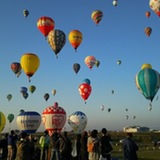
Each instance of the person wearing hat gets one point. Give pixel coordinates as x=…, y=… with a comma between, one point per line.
x=23, y=147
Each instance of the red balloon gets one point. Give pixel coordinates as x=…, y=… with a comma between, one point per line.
x=54, y=118
x=85, y=90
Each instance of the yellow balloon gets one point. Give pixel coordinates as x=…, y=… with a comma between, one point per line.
x=146, y=65
x=30, y=63
x=2, y=121
x=75, y=38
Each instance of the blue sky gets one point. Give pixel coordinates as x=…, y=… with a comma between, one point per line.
x=119, y=35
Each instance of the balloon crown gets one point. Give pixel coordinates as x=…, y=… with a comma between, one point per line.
x=56, y=104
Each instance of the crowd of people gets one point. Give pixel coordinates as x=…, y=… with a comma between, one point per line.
x=86, y=146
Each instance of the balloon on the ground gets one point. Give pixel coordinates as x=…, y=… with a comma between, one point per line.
x=2, y=121
x=45, y=25
x=30, y=63
x=28, y=121
x=10, y=117
x=77, y=121
x=54, y=118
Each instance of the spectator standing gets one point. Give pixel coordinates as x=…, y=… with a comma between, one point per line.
x=12, y=148
x=105, y=145
x=44, y=144
x=130, y=148
x=4, y=147
x=83, y=155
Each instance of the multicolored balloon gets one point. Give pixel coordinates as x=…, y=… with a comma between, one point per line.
x=54, y=118
x=97, y=16
x=148, y=31
x=2, y=121
x=30, y=63
x=155, y=6
x=56, y=39
x=78, y=122
x=148, y=82
x=90, y=61
x=85, y=91
x=25, y=13
x=45, y=25
x=75, y=38
x=29, y=121
x=148, y=14
x=16, y=68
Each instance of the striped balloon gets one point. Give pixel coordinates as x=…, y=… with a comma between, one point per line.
x=148, y=82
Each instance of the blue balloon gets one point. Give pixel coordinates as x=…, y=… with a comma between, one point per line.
x=86, y=80
x=23, y=90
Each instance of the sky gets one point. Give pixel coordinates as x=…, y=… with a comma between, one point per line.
x=119, y=36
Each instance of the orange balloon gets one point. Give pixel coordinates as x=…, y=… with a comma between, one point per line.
x=148, y=14
x=90, y=61
x=148, y=31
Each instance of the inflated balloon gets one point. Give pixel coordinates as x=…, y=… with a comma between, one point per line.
x=29, y=121
x=30, y=63
x=109, y=109
x=9, y=97
x=148, y=31
x=25, y=95
x=85, y=91
x=45, y=25
x=115, y=3
x=90, y=61
x=56, y=39
x=148, y=14
x=10, y=117
x=86, y=80
x=76, y=67
x=75, y=38
x=155, y=6
x=21, y=111
x=119, y=62
x=97, y=16
x=54, y=92
x=97, y=63
x=32, y=88
x=127, y=117
x=146, y=65
x=2, y=121
x=102, y=107
x=16, y=68
x=54, y=118
x=25, y=13
x=78, y=122
x=23, y=90
x=46, y=96
x=148, y=82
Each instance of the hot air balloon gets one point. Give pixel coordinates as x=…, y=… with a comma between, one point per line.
x=23, y=90
x=54, y=118
x=115, y=3
x=109, y=109
x=30, y=63
x=148, y=82
x=29, y=121
x=25, y=95
x=78, y=122
x=10, y=117
x=32, y=88
x=9, y=97
x=56, y=39
x=146, y=65
x=148, y=31
x=54, y=92
x=102, y=107
x=148, y=14
x=46, y=96
x=45, y=25
x=90, y=61
x=97, y=16
x=76, y=67
x=97, y=63
x=134, y=117
x=86, y=80
x=75, y=38
x=85, y=91
x=2, y=121
x=21, y=111
x=25, y=13
x=112, y=91
x=119, y=62
x=16, y=68
x=155, y=6
x=127, y=117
